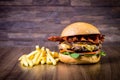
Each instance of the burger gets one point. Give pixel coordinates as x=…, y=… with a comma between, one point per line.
x=80, y=43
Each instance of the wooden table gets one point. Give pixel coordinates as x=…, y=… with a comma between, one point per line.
x=10, y=69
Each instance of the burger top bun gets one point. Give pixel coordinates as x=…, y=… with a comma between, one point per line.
x=79, y=28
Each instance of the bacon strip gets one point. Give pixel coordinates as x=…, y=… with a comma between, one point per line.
x=95, y=38
x=55, y=38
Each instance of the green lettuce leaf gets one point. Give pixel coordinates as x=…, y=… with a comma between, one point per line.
x=66, y=53
x=74, y=55
x=102, y=53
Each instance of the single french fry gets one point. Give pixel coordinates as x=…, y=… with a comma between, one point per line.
x=35, y=58
x=48, y=60
x=38, y=60
x=42, y=54
x=43, y=61
x=31, y=55
x=25, y=63
x=30, y=63
x=21, y=58
x=39, y=51
x=50, y=57
x=37, y=48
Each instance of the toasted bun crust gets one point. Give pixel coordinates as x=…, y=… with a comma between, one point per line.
x=81, y=60
x=79, y=28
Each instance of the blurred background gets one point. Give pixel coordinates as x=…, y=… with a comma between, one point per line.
x=30, y=22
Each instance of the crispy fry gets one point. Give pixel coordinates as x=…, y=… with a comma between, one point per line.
x=42, y=54
x=37, y=48
x=21, y=62
x=48, y=61
x=21, y=58
x=36, y=58
x=25, y=63
x=31, y=55
x=30, y=63
x=50, y=57
x=43, y=61
x=39, y=56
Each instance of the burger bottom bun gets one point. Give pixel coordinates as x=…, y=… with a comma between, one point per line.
x=81, y=60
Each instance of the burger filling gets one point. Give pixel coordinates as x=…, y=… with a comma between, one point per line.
x=79, y=45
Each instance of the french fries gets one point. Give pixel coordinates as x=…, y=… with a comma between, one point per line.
x=39, y=56
x=50, y=58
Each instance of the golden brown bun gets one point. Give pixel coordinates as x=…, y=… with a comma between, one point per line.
x=79, y=28
x=81, y=60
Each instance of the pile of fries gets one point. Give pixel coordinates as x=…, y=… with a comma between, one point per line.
x=39, y=56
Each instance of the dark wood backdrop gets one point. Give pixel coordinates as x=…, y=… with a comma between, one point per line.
x=30, y=22
x=26, y=23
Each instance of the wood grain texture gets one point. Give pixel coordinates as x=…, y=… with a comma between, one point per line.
x=61, y=2
x=106, y=69
x=31, y=25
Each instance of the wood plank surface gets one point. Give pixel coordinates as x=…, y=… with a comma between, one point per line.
x=10, y=69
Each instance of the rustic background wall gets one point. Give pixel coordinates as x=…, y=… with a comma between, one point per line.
x=30, y=22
